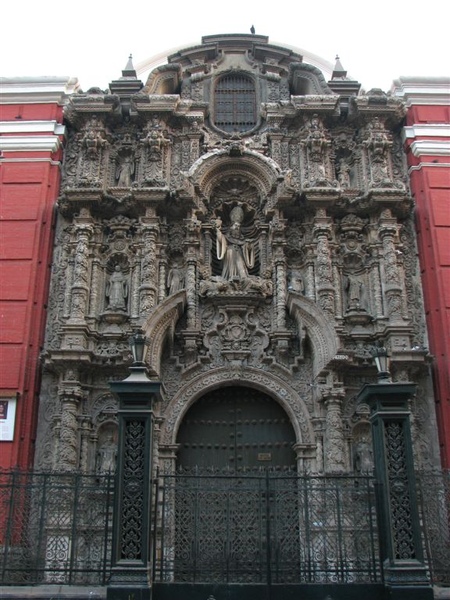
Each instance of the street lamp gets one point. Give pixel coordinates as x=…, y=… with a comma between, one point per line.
x=138, y=344
x=131, y=568
x=382, y=362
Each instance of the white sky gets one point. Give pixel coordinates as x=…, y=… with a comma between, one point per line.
x=376, y=41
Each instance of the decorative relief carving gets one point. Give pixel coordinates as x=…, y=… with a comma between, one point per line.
x=250, y=265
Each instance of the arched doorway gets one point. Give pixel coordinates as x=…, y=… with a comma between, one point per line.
x=236, y=428
x=228, y=516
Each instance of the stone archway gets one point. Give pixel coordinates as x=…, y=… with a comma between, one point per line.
x=269, y=384
x=236, y=428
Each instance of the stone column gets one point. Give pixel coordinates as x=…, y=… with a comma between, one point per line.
x=392, y=287
x=68, y=452
x=149, y=272
x=334, y=439
x=324, y=271
x=80, y=284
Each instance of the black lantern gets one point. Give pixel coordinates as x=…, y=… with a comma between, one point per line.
x=382, y=362
x=138, y=343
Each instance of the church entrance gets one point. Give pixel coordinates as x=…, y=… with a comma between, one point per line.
x=236, y=520
x=236, y=429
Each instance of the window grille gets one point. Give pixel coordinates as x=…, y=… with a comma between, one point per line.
x=235, y=103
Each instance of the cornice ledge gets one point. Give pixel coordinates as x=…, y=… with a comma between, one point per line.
x=431, y=148
x=38, y=143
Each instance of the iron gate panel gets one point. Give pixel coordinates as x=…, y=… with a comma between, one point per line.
x=268, y=527
x=55, y=528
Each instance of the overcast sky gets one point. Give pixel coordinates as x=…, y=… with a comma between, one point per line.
x=91, y=39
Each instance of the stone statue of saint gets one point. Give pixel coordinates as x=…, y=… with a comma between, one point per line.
x=355, y=292
x=117, y=290
x=175, y=279
x=107, y=456
x=125, y=171
x=236, y=253
x=363, y=457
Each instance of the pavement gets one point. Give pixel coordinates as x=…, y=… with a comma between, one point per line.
x=72, y=592
x=53, y=592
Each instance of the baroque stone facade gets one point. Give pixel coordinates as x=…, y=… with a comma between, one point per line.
x=269, y=254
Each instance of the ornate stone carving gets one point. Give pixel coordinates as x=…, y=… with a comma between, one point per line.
x=247, y=269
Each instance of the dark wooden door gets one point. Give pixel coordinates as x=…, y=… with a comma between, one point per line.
x=237, y=428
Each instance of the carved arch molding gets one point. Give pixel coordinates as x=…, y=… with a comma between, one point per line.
x=262, y=172
x=268, y=383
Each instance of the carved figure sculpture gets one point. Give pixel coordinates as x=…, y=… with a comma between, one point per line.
x=355, y=292
x=233, y=249
x=117, y=289
x=107, y=455
x=125, y=171
x=175, y=279
x=363, y=457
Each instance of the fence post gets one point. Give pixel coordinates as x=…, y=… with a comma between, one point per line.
x=131, y=575
x=405, y=572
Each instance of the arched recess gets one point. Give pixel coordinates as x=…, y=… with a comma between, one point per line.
x=267, y=383
x=319, y=328
x=237, y=428
x=160, y=325
x=262, y=172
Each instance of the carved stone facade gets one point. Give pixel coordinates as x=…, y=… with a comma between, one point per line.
x=271, y=257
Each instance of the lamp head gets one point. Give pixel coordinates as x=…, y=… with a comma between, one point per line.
x=138, y=344
x=382, y=362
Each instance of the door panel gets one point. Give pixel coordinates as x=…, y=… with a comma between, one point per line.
x=236, y=428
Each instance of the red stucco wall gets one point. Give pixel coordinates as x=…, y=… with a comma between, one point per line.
x=29, y=185
x=428, y=153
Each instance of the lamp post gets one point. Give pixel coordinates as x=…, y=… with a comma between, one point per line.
x=131, y=542
x=400, y=538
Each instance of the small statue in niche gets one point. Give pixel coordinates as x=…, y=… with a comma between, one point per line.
x=344, y=173
x=363, y=457
x=107, y=455
x=295, y=283
x=355, y=290
x=175, y=279
x=117, y=290
x=125, y=171
x=236, y=253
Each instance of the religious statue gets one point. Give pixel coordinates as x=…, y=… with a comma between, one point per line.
x=363, y=461
x=175, y=279
x=237, y=253
x=355, y=292
x=107, y=456
x=125, y=171
x=117, y=290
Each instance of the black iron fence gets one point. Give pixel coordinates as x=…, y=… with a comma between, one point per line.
x=55, y=528
x=266, y=528
x=257, y=528
x=434, y=502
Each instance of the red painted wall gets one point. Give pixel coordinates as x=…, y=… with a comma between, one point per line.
x=427, y=142
x=29, y=186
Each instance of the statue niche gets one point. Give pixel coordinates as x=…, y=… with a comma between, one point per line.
x=236, y=253
x=117, y=290
x=235, y=258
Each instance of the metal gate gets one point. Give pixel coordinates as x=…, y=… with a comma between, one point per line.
x=265, y=528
